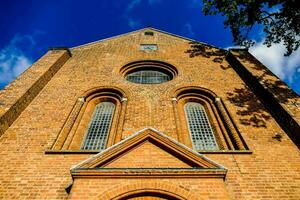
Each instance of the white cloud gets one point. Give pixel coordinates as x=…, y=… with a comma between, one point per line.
x=284, y=67
x=188, y=30
x=21, y=64
x=13, y=61
x=132, y=5
x=133, y=23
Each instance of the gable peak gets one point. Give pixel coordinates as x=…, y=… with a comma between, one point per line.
x=145, y=29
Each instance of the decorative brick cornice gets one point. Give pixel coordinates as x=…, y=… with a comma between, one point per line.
x=150, y=172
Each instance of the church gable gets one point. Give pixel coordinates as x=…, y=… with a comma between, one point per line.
x=148, y=149
x=149, y=157
x=147, y=154
x=141, y=34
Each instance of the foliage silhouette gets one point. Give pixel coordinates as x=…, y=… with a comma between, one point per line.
x=250, y=109
x=199, y=49
x=280, y=20
x=253, y=107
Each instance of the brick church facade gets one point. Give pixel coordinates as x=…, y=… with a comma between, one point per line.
x=149, y=115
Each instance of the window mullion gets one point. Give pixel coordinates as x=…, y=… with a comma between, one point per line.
x=202, y=134
x=99, y=127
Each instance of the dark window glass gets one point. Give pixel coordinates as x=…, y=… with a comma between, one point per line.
x=202, y=134
x=99, y=127
x=148, y=77
x=149, y=33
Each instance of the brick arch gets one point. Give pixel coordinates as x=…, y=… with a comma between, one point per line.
x=118, y=92
x=177, y=92
x=135, y=65
x=226, y=133
x=119, y=97
x=159, y=63
x=156, y=188
x=72, y=134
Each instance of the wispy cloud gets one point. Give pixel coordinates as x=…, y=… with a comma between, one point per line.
x=132, y=5
x=287, y=68
x=132, y=22
x=13, y=60
x=188, y=30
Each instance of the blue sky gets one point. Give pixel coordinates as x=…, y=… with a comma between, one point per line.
x=29, y=27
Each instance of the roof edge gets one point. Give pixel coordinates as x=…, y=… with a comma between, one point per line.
x=146, y=28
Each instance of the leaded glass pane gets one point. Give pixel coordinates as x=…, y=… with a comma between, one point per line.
x=148, y=77
x=202, y=134
x=99, y=127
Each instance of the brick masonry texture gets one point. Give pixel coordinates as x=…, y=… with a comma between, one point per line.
x=271, y=171
x=147, y=155
x=20, y=93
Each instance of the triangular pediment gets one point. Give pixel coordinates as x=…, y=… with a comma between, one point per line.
x=157, y=31
x=148, y=149
x=148, y=154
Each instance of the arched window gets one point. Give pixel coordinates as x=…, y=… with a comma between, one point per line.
x=94, y=123
x=98, y=130
x=148, y=72
x=202, y=134
x=148, y=77
x=203, y=122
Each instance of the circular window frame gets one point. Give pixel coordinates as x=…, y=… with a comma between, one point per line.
x=149, y=65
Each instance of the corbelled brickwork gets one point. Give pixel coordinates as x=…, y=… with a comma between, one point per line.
x=37, y=105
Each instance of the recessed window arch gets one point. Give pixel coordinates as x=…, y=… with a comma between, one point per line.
x=148, y=76
x=95, y=122
x=203, y=122
x=148, y=72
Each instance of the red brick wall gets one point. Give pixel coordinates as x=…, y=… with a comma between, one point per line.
x=272, y=171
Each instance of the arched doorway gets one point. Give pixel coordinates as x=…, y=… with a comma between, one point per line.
x=149, y=196
x=148, y=191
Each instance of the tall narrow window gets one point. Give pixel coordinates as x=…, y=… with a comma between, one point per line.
x=202, y=134
x=99, y=127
